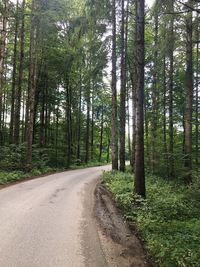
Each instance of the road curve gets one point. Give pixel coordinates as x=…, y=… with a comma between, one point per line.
x=47, y=222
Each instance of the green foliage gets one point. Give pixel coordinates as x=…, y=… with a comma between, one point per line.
x=8, y=177
x=168, y=220
x=11, y=157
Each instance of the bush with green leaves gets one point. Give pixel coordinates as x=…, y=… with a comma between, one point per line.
x=168, y=220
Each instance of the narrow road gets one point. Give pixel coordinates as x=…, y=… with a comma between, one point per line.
x=47, y=222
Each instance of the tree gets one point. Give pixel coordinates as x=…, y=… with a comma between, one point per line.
x=122, y=92
x=139, y=146
x=114, y=92
x=32, y=81
x=189, y=96
x=3, y=33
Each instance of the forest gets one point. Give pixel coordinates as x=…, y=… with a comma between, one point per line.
x=90, y=82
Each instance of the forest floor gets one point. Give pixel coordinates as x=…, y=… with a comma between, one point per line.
x=121, y=245
x=167, y=221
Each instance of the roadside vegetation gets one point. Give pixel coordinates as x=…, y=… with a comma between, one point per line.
x=167, y=220
x=13, y=169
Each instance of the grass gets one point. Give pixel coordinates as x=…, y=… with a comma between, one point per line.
x=168, y=220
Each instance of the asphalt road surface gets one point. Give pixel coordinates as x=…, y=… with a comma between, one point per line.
x=48, y=222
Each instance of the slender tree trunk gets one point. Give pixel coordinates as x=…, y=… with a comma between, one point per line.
x=197, y=104
x=114, y=92
x=14, y=74
x=133, y=77
x=134, y=122
x=122, y=93
x=171, y=93
x=92, y=127
x=42, y=113
x=32, y=83
x=87, y=126
x=68, y=119
x=154, y=94
x=57, y=125
x=189, y=98
x=108, y=150
x=139, y=148
x=129, y=126
x=164, y=117
x=79, y=121
x=3, y=34
x=20, y=79
x=101, y=135
x=4, y=119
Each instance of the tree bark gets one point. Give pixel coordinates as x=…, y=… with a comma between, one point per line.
x=189, y=97
x=154, y=93
x=122, y=94
x=114, y=92
x=20, y=79
x=32, y=82
x=171, y=93
x=101, y=134
x=197, y=103
x=14, y=74
x=79, y=121
x=139, y=148
x=87, y=138
x=3, y=34
x=164, y=117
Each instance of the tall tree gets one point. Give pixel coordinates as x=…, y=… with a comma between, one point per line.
x=32, y=81
x=139, y=147
x=14, y=74
x=122, y=92
x=171, y=91
x=189, y=95
x=3, y=34
x=154, y=90
x=114, y=92
x=20, y=77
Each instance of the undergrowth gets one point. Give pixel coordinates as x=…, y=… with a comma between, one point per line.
x=7, y=177
x=168, y=220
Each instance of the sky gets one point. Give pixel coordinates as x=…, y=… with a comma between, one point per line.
x=149, y=2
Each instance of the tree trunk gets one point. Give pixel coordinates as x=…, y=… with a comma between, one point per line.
x=189, y=98
x=129, y=126
x=101, y=135
x=164, y=117
x=79, y=121
x=154, y=93
x=14, y=74
x=20, y=79
x=108, y=150
x=3, y=34
x=68, y=117
x=171, y=93
x=197, y=104
x=32, y=83
x=92, y=126
x=122, y=94
x=114, y=92
x=139, y=148
x=87, y=139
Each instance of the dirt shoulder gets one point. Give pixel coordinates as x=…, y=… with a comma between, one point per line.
x=121, y=246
